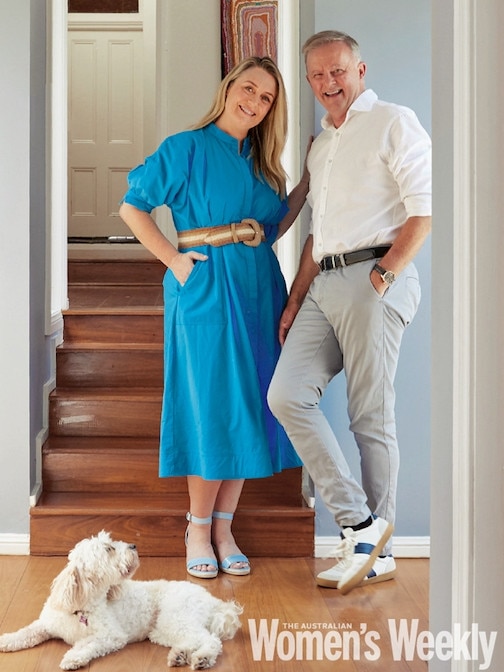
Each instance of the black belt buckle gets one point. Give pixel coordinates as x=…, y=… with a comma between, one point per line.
x=326, y=264
x=333, y=262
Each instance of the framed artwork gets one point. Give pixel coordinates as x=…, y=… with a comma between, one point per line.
x=248, y=29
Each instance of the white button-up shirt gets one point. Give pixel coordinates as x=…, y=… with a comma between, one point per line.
x=368, y=176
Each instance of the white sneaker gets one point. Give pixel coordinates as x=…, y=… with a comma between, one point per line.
x=358, y=552
x=384, y=569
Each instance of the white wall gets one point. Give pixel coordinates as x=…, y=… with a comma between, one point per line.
x=394, y=37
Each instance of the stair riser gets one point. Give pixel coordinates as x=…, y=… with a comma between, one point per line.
x=137, y=472
x=88, y=417
x=103, y=368
x=113, y=272
x=269, y=535
x=114, y=328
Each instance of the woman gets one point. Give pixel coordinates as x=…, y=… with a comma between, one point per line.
x=224, y=293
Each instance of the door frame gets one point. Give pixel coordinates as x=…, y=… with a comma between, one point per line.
x=57, y=216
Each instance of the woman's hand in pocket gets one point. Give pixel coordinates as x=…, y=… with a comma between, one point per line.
x=182, y=264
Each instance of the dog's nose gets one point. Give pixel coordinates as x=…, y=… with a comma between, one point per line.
x=132, y=547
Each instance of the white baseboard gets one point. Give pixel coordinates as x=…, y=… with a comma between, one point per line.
x=402, y=547
x=14, y=544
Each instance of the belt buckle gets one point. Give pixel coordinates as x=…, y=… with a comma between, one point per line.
x=257, y=239
x=341, y=259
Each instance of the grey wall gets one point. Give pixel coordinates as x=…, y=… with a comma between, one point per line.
x=395, y=40
x=24, y=351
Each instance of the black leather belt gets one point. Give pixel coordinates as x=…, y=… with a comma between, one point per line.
x=349, y=258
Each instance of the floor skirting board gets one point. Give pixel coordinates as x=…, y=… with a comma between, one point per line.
x=402, y=547
x=14, y=544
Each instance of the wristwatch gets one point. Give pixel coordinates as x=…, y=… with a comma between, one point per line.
x=387, y=276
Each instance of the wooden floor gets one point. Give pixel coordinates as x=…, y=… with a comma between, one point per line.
x=278, y=591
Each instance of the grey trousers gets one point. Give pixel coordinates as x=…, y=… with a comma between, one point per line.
x=344, y=324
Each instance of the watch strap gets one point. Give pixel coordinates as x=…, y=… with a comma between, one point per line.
x=387, y=276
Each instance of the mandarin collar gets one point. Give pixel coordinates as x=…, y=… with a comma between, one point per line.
x=230, y=140
x=363, y=103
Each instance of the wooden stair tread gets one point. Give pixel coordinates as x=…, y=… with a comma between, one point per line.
x=145, y=309
x=132, y=503
x=100, y=444
x=118, y=254
x=81, y=285
x=115, y=296
x=75, y=346
x=105, y=394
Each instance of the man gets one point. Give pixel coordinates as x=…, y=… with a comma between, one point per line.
x=355, y=292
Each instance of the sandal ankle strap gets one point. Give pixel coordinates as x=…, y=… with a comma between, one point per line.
x=198, y=521
x=223, y=515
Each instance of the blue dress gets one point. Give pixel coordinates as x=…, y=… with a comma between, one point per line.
x=221, y=328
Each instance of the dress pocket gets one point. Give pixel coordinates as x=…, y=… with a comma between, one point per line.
x=202, y=299
x=173, y=286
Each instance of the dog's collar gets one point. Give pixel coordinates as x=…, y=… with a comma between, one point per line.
x=82, y=617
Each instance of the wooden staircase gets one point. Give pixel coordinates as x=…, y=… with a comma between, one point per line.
x=99, y=464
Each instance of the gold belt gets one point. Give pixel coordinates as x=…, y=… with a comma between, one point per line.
x=248, y=231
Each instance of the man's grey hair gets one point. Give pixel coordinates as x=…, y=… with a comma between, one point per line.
x=328, y=36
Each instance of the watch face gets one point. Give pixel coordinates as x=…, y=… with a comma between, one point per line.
x=389, y=277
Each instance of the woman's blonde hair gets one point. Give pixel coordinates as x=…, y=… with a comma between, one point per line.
x=267, y=139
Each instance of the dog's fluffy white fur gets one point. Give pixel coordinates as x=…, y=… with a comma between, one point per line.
x=96, y=608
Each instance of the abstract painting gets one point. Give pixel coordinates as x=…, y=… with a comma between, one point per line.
x=248, y=29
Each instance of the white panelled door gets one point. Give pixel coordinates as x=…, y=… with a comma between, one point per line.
x=105, y=125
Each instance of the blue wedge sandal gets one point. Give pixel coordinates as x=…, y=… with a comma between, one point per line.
x=225, y=565
x=195, y=562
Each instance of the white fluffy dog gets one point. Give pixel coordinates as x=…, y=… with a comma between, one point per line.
x=96, y=608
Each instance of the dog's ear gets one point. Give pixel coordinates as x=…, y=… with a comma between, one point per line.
x=68, y=592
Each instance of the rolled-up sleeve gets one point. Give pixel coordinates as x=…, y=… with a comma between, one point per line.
x=159, y=179
x=410, y=163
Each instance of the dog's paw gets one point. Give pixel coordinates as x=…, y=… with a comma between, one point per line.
x=177, y=658
x=202, y=662
x=71, y=663
x=5, y=643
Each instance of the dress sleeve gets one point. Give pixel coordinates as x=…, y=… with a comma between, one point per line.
x=161, y=178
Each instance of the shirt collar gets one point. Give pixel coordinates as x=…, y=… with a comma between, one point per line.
x=364, y=103
x=229, y=139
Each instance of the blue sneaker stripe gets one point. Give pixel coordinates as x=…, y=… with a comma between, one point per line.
x=364, y=548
